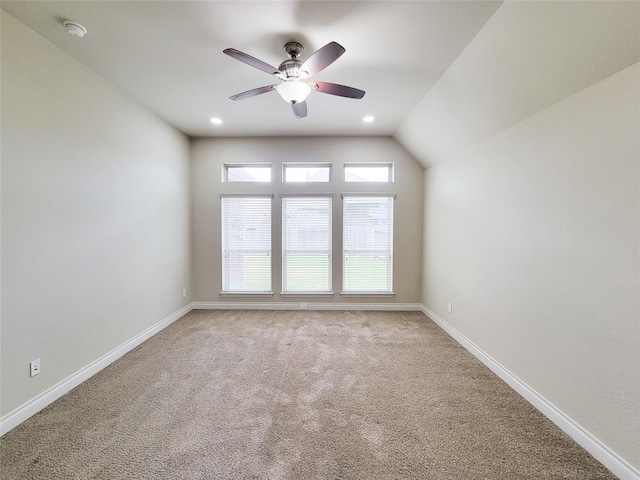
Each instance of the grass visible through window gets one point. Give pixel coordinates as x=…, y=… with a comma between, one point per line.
x=369, y=274
x=307, y=273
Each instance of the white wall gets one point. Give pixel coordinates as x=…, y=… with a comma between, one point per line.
x=534, y=236
x=208, y=158
x=527, y=57
x=95, y=216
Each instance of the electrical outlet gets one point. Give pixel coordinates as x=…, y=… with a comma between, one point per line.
x=304, y=306
x=34, y=367
x=449, y=308
x=184, y=292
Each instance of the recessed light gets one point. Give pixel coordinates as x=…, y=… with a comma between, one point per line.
x=216, y=121
x=368, y=119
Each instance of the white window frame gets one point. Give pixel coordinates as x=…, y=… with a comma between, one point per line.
x=229, y=246
x=288, y=249
x=227, y=166
x=348, y=252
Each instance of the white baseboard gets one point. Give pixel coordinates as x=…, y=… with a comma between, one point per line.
x=400, y=307
x=601, y=452
x=33, y=406
x=591, y=444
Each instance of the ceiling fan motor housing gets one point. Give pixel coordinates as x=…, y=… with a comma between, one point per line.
x=290, y=68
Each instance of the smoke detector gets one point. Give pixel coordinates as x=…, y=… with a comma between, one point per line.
x=74, y=28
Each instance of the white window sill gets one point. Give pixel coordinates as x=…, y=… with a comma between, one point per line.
x=307, y=294
x=367, y=294
x=246, y=294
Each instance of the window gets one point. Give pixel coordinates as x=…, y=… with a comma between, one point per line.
x=247, y=173
x=306, y=173
x=367, y=244
x=373, y=172
x=246, y=243
x=306, y=244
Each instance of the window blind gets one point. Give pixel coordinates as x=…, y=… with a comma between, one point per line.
x=367, y=244
x=246, y=243
x=306, y=244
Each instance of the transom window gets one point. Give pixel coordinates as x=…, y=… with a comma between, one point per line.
x=371, y=172
x=247, y=173
x=300, y=172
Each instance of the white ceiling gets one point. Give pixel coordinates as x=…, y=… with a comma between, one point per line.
x=167, y=55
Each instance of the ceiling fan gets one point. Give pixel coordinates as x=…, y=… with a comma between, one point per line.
x=295, y=86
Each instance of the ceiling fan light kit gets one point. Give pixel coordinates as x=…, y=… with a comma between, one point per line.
x=293, y=91
x=294, y=86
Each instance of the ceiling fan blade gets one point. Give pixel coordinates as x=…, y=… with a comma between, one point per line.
x=340, y=90
x=299, y=109
x=322, y=58
x=252, y=93
x=252, y=61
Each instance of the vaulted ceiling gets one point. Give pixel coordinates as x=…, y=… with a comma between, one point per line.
x=168, y=56
x=438, y=75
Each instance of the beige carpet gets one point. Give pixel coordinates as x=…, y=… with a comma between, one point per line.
x=294, y=395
